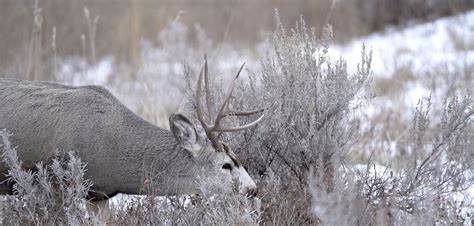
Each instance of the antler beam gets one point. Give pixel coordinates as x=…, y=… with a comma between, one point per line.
x=223, y=110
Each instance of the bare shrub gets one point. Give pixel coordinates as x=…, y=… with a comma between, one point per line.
x=52, y=194
x=425, y=186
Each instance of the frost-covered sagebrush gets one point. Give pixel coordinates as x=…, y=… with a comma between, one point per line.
x=228, y=208
x=424, y=186
x=308, y=100
x=48, y=194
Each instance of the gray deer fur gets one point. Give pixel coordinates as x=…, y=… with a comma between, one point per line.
x=123, y=152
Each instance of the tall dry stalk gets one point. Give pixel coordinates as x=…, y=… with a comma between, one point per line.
x=35, y=48
x=92, y=29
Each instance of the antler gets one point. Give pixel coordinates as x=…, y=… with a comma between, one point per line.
x=224, y=110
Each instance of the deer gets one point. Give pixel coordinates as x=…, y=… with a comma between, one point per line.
x=122, y=151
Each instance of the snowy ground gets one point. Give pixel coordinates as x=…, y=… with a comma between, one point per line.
x=447, y=41
x=446, y=44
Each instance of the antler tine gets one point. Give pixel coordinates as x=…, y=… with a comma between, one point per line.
x=206, y=87
x=238, y=128
x=248, y=113
x=207, y=128
x=244, y=113
x=198, y=103
x=225, y=104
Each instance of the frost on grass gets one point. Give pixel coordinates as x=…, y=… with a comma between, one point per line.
x=309, y=100
x=213, y=206
x=427, y=185
x=47, y=194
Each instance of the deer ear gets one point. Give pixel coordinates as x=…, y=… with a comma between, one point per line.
x=185, y=133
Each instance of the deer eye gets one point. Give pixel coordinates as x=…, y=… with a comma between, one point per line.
x=227, y=166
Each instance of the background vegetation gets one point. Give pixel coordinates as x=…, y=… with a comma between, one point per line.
x=121, y=26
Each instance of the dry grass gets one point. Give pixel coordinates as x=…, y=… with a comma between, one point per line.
x=122, y=24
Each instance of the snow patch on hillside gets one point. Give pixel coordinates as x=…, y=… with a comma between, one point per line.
x=448, y=42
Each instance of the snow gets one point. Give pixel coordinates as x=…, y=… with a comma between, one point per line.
x=447, y=42
x=77, y=72
x=434, y=52
x=124, y=201
x=415, y=92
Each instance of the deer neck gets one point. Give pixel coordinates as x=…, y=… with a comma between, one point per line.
x=154, y=161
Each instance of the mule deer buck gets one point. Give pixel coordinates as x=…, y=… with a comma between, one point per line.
x=122, y=151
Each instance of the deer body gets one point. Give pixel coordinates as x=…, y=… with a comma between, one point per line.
x=122, y=151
